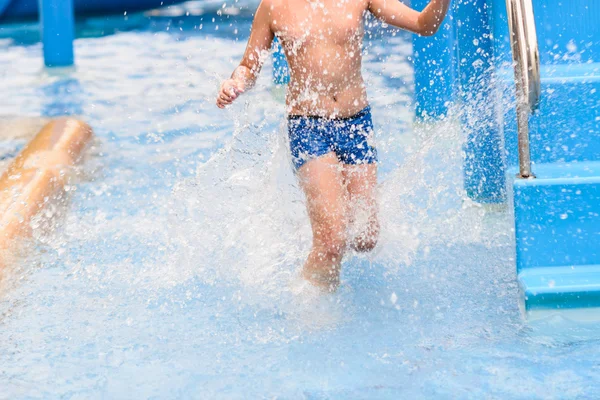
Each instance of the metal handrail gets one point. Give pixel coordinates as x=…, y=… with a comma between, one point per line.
x=526, y=57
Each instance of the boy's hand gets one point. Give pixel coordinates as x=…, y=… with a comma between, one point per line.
x=230, y=90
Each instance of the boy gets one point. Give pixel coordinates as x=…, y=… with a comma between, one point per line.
x=329, y=119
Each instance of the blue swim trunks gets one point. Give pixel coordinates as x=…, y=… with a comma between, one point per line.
x=351, y=138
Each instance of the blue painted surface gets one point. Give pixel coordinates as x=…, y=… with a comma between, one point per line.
x=483, y=167
x=454, y=66
x=435, y=68
x=557, y=223
x=568, y=31
x=561, y=287
x=556, y=215
x=484, y=175
x=28, y=9
x=557, y=231
x=567, y=127
x=281, y=73
x=474, y=50
x=3, y=5
x=57, y=23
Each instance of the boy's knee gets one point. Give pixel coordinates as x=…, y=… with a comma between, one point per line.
x=334, y=247
x=333, y=242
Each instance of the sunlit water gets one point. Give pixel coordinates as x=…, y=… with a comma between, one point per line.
x=167, y=273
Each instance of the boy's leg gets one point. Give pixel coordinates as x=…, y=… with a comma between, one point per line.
x=322, y=182
x=361, y=183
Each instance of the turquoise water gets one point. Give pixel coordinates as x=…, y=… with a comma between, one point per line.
x=167, y=271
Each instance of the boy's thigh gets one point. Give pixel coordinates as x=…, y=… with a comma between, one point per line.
x=323, y=183
x=361, y=181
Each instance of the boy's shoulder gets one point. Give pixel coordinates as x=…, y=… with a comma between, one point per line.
x=277, y=9
x=274, y=4
x=281, y=5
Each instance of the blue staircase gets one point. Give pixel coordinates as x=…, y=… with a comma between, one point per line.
x=557, y=226
x=557, y=215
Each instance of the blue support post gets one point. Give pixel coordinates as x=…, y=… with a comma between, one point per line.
x=57, y=23
x=3, y=6
x=281, y=72
x=484, y=169
x=435, y=68
x=455, y=65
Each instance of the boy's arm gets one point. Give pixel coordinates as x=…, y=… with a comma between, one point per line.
x=245, y=75
x=425, y=23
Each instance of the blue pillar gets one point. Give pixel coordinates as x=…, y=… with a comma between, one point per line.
x=281, y=73
x=435, y=68
x=484, y=170
x=4, y=5
x=57, y=23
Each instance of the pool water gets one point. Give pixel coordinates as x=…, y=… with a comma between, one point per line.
x=167, y=273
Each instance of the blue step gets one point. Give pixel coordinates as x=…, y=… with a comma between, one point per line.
x=557, y=232
x=567, y=31
x=561, y=287
x=566, y=127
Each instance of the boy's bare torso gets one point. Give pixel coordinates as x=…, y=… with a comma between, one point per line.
x=323, y=42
